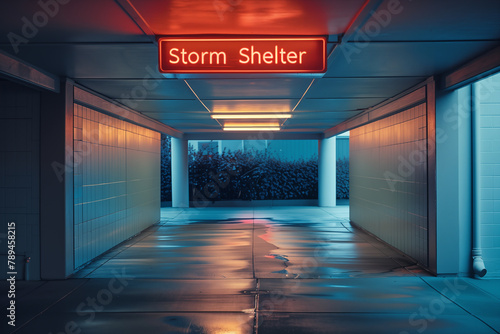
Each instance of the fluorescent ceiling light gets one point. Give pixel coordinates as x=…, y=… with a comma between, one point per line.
x=250, y=116
x=252, y=124
x=270, y=128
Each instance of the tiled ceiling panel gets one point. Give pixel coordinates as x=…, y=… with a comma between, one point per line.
x=414, y=59
x=322, y=105
x=89, y=21
x=161, y=106
x=140, y=89
x=435, y=20
x=241, y=89
x=328, y=88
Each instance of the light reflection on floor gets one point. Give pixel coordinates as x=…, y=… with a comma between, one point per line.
x=262, y=270
x=198, y=244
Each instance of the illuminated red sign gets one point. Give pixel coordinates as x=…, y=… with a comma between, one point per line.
x=242, y=55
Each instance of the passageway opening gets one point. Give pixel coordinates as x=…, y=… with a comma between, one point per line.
x=255, y=172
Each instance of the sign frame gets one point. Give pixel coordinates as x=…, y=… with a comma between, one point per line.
x=321, y=39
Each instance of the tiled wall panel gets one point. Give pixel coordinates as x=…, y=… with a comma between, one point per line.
x=490, y=172
x=116, y=181
x=388, y=180
x=19, y=174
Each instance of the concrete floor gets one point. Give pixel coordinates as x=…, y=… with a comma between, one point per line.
x=255, y=270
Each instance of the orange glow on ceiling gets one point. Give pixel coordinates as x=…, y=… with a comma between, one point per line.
x=252, y=106
x=279, y=17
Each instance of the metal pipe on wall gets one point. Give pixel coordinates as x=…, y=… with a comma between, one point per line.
x=478, y=266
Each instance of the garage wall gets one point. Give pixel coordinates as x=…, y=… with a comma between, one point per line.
x=19, y=175
x=388, y=180
x=116, y=181
x=489, y=97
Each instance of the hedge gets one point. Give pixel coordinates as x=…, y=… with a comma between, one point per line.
x=342, y=179
x=238, y=175
x=166, y=177
x=250, y=176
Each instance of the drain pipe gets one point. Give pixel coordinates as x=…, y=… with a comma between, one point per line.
x=27, y=260
x=477, y=255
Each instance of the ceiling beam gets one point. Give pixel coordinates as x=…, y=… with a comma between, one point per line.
x=363, y=15
x=405, y=100
x=359, y=19
x=478, y=68
x=257, y=135
x=17, y=69
x=132, y=12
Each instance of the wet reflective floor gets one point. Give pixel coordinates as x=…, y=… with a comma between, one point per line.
x=256, y=270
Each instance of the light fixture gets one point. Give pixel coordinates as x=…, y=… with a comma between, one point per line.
x=251, y=124
x=270, y=128
x=250, y=116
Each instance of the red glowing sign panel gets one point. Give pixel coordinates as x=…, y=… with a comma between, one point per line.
x=242, y=55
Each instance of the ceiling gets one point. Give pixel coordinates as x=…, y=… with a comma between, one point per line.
x=109, y=46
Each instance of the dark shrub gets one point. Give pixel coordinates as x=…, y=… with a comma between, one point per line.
x=166, y=179
x=238, y=175
x=250, y=176
x=342, y=179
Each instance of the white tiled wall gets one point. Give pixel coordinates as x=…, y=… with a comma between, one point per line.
x=490, y=172
x=116, y=181
x=388, y=180
x=19, y=174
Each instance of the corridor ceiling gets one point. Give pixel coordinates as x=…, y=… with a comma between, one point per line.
x=376, y=50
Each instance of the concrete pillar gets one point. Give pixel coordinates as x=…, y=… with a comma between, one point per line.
x=180, y=180
x=327, y=172
x=56, y=186
x=453, y=183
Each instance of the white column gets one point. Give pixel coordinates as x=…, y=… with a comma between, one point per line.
x=450, y=238
x=327, y=172
x=180, y=180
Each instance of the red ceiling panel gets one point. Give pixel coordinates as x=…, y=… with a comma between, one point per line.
x=264, y=17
